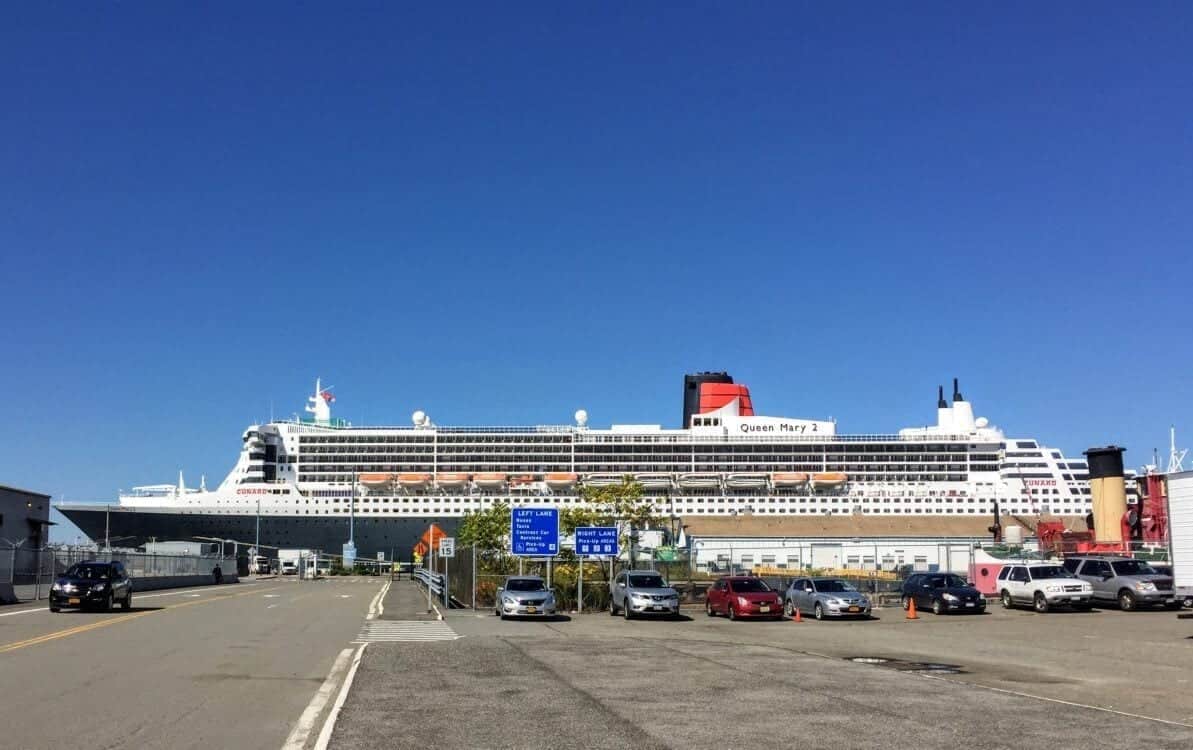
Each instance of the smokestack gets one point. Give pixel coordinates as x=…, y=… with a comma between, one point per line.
x=1109, y=490
x=940, y=402
x=691, y=392
x=956, y=393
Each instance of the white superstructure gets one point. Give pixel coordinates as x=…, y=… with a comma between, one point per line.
x=726, y=460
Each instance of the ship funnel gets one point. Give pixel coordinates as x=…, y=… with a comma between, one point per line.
x=963, y=421
x=1109, y=491
x=940, y=402
x=956, y=391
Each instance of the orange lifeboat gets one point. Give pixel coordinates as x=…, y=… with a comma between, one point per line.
x=829, y=479
x=451, y=480
x=788, y=479
x=489, y=480
x=561, y=480
x=375, y=481
x=414, y=481
x=521, y=480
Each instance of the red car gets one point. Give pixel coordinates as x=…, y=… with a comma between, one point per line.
x=743, y=596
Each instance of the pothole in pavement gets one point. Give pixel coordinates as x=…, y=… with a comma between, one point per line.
x=903, y=665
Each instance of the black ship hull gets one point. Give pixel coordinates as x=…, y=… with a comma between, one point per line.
x=128, y=527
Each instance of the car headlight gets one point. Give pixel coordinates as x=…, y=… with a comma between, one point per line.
x=99, y=587
x=508, y=600
x=743, y=601
x=1053, y=589
x=949, y=597
x=1145, y=586
x=56, y=587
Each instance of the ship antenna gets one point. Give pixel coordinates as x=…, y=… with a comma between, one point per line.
x=1175, y=460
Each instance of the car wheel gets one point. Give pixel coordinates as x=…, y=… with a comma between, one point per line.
x=708, y=609
x=1126, y=601
x=1040, y=602
x=788, y=608
x=108, y=603
x=612, y=608
x=127, y=604
x=732, y=613
x=55, y=609
x=626, y=613
x=818, y=612
x=1007, y=603
x=937, y=607
x=905, y=601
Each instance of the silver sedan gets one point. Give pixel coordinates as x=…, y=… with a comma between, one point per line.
x=825, y=597
x=524, y=596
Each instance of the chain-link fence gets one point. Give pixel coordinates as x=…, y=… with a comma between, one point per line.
x=31, y=570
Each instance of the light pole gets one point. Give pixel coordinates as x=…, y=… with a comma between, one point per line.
x=257, y=539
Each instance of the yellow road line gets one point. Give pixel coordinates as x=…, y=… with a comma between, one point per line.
x=114, y=620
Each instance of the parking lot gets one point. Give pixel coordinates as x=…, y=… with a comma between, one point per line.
x=1003, y=679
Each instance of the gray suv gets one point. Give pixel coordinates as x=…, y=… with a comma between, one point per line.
x=642, y=592
x=1129, y=582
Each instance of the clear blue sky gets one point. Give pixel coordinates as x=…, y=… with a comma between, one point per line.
x=500, y=215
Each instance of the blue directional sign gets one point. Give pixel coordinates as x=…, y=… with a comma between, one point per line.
x=596, y=541
x=534, y=531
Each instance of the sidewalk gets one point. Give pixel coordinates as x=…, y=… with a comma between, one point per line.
x=406, y=600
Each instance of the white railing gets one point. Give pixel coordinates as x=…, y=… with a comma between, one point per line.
x=437, y=582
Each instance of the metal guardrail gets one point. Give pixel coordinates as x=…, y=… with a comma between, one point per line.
x=437, y=582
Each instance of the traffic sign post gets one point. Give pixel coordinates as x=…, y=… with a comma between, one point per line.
x=593, y=541
x=534, y=532
x=447, y=546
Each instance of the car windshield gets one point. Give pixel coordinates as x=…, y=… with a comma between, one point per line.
x=1049, y=571
x=525, y=584
x=748, y=585
x=942, y=582
x=829, y=586
x=88, y=572
x=648, y=581
x=1132, y=568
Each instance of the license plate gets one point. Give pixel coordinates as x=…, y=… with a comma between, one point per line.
x=72, y=601
x=656, y=607
x=854, y=609
x=764, y=608
x=1170, y=601
x=531, y=610
x=971, y=604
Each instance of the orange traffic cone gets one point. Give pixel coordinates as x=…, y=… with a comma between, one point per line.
x=798, y=617
x=911, y=615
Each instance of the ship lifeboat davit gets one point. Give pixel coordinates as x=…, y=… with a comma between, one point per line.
x=603, y=480
x=700, y=481
x=451, y=480
x=654, y=481
x=489, y=480
x=745, y=481
x=522, y=480
x=414, y=481
x=829, y=479
x=560, y=480
x=788, y=479
x=375, y=481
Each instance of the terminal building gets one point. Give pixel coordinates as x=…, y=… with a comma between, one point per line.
x=24, y=518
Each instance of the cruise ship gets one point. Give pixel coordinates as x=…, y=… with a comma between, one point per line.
x=304, y=481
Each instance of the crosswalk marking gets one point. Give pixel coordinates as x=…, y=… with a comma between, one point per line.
x=401, y=631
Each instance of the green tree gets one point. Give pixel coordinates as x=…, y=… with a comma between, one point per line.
x=487, y=528
x=606, y=506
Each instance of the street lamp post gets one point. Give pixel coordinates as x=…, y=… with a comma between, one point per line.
x=257, y=538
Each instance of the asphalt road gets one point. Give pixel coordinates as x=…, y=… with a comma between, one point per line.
x=1103, y=679
x=231, y=666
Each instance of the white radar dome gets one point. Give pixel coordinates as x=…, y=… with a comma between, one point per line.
x=581, y=417
x=981, y=422
x=419, y=418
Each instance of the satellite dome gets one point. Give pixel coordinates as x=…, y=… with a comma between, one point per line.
x=581, y=417
x=419, y=418
x=981, y=422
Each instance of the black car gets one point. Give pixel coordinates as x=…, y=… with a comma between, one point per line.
x=92, y=585
x=942, y=592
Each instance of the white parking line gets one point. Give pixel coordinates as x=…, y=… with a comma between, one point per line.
x=302, y=730
x=376, y=607
x=329, y=724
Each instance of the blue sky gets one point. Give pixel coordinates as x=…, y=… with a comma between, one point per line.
x=500, y=215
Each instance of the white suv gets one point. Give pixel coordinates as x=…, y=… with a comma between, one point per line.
x=1043, y=586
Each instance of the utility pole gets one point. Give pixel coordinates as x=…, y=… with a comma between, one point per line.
x=257, y=540
x=107, y=529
